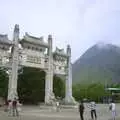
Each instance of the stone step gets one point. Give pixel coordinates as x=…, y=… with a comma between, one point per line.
x=62, y=106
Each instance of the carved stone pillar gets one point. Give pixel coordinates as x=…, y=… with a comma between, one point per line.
x=49, y=74
x=48, y=87
x=68, y=93
x=9, y=84
x=13, y=74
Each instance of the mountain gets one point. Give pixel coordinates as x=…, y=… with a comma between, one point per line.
x=100, y=63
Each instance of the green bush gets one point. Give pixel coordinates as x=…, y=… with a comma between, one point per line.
x=93, y=91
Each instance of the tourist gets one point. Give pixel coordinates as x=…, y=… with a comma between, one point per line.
x=81, y=110
x=57, y=106
x=92, y=107
x=14, y=107
x=112, y=108
x=9, y=107
x=19, y=106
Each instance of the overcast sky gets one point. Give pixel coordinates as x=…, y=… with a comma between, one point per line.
x=80, y=23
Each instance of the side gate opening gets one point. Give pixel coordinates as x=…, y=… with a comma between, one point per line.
x=58, y=87
x=3, y=85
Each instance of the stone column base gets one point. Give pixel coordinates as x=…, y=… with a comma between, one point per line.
x=50, y=99
x=70, y=100
x=12, y=94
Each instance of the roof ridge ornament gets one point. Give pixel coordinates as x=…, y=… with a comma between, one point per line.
x=59, y=50
x=3, y=35
x=50, y=36
x=33, y=37
x=16, y=29
x=4, y=39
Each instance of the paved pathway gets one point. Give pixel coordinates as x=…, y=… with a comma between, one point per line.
x=35, y=113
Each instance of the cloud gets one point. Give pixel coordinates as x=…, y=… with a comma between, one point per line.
x=80, y=23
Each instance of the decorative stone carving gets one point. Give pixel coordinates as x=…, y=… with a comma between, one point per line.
x=33, y=40
x=59, y=50
x=4, y=39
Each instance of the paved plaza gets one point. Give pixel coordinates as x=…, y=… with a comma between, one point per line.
x=41, y=113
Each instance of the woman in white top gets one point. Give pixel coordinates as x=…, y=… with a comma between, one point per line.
x=112, y=108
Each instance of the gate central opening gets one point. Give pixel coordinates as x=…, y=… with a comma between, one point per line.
x=31, y=85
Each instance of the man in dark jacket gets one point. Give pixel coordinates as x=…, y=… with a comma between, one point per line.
x=81, y=110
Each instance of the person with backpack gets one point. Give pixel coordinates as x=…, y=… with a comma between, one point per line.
x=92, y=107
x=81, y=110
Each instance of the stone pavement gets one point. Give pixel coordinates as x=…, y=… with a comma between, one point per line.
x=35, y=113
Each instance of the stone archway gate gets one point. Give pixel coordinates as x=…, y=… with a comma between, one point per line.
x=35, y=52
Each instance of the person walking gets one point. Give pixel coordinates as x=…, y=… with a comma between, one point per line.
x=14, y=107
x=81, y=110
x=9, y=108
x=93, y=110
x=57, y=106
x=112, y=108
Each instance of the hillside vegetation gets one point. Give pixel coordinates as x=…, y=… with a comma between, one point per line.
x=98, y=64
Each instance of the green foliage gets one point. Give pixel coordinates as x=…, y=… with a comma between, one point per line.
x=58, y=87
x=115, y=85
x=3, y=83
x=93, y=91
x=90, y=75
x=31, y=86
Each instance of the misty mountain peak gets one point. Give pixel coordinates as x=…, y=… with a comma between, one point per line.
x=101, y=62
x=103, y=45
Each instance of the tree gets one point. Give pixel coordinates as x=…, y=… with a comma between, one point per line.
x=93, y=91
x=3, y=83
x=31, y=85
x=58, y=87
